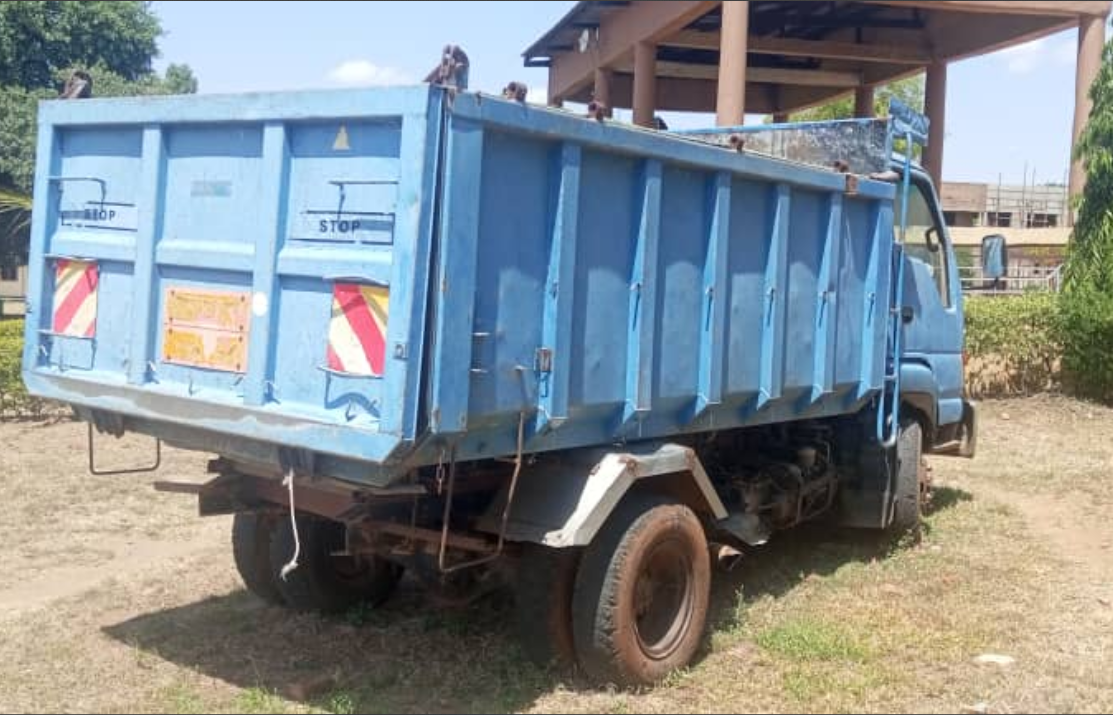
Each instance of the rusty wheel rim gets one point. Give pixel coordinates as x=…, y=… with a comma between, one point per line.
x=664, y=601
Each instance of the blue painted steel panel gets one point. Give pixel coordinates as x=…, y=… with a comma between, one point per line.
x=607, y=281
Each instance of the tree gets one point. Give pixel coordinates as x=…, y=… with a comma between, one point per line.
x=17, y=135
x=1090, y=253
x=41, y=44
x=1086, y=305
x=38, y=38
x=15, y=220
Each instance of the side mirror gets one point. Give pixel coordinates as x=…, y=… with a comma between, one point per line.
x=906, y=314
x=931, y=238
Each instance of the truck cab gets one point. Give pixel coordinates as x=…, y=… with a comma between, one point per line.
x=931, y=362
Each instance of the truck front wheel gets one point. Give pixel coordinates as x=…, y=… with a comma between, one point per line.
x=326, y=580
x=641, y=595
x=911, y=485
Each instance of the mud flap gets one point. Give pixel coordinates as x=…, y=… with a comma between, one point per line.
x=965, y=441
x=868, y=503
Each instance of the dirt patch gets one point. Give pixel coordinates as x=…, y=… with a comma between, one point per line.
x=116, y=598
x=1058, y=521
x=115, y=557
x=61, y=520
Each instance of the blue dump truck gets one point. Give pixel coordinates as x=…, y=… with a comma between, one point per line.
x=431, y=331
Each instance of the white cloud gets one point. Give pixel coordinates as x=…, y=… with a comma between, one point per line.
x=1064, y=53
x=1026, y=58
x=364, y=73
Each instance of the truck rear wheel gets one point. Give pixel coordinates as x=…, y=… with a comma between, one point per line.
x=326, y=581
x=910, y=481
x=251, y=550
x=543, y=604
x=642, y=592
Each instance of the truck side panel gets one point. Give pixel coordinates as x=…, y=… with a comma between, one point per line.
x=708, y=289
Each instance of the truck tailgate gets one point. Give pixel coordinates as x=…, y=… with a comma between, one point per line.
x=174, y=235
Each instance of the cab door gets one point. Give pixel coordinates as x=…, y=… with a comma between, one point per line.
x=931, y=364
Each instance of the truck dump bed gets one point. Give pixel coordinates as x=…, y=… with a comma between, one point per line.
x=372, y=277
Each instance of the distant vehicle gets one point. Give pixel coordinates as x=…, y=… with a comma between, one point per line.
x=476, y=340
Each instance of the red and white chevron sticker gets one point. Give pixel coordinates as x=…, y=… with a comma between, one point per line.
x=357, y=329
x=75, y=298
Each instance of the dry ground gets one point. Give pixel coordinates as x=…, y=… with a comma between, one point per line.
x=115, y=598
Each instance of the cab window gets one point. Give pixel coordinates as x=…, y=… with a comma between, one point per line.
x=924, y=241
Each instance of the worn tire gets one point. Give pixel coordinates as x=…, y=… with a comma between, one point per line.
x=908, y=493
x=251, y=544
x=543, y=604
x=650, y=556
x=323, y=582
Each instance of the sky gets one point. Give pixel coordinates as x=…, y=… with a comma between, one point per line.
x=1009, y=114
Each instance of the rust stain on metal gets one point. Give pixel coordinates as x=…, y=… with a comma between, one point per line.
x=430, y=537
x=452, y=70
x=630, y=464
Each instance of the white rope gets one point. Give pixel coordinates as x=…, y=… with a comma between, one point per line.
x=288, y=482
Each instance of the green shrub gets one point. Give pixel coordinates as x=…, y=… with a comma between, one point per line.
x=1014, y=344
x=1021, y=345
x=1087, y=317
x=13, y=395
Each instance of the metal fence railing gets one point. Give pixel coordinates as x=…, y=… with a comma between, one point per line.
x=1016, y=280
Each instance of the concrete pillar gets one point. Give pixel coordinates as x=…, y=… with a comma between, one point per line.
x=780, y=118
x=553, y=99
x=1091, y=38
x=863, y=102
x=730, y=105
x=645, y=83
x=935, y=106
x=602, y=92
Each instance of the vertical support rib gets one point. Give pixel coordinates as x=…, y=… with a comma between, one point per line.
x=411, y=276
x=774, y=312
x=556, y=328
x=875, y=307
x=826, y=310
x=144, y=300
x=643, y=297
x=39, y=274
x=713, y=321
x=455, y=286
x=272, y=202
